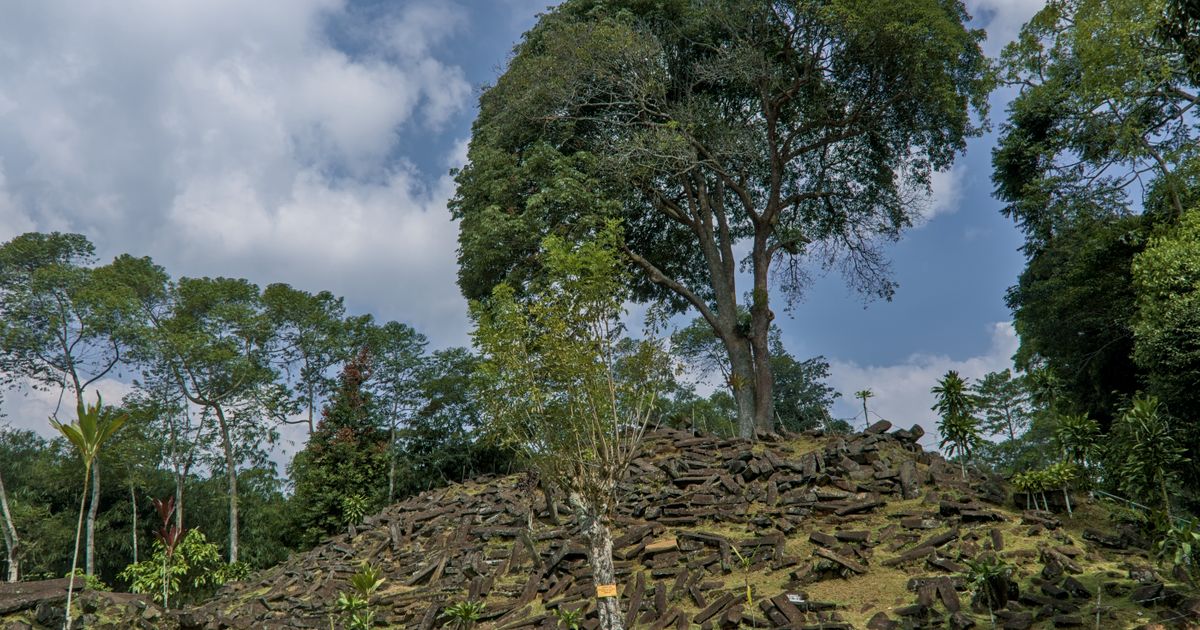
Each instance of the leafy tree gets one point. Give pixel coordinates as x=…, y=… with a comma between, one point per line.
x=336, y=475
x=62, y=327
x=309, y=342
x=94, y=426
x=1078, y=436
x=1104, y=104
x=214, y=342
x=1073, y=309
x=446, y=439
x=398, y=370
x=1004, y=402
x=193, y=570
x=1146, y=453
x=863, y=395
x=1166, y=329
x=559, y=386
x=798, y=131
x=958, y=425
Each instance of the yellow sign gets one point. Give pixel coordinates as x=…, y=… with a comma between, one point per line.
x=606, y=590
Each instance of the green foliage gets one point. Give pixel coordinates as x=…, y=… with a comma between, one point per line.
x=446, y=440
x=90, y=582
x=1146, y=454
x=1004, y=402
x=568, y=619
x=193, y=571
x=339, y=473
x=958, y=426
x=355, y=604
x=1078, y=436
x=1166, y=278
x=464, y=614
x=987, y=578
x=559, y=383
x=1178, y=545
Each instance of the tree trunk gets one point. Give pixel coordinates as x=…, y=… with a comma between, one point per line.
x=75, y=554
x=600, y=544
x=391, y=463
x=133, y=512
x=741, y=362
x=93, y=509
x=760, y=334
x=231, y=475
x=179, y=500
x=12, y=542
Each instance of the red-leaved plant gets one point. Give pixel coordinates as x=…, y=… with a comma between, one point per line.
x=170, y=536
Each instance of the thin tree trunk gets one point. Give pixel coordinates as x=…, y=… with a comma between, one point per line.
x=1166, y=498
x=391, y=463
x=231, y=475
x=12, y=542
x=133, y=512
x=1067, y=498
x=600, y=556
x=75, y=554
x=93, y=509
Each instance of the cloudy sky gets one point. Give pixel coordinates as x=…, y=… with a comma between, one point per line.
x=309, y=141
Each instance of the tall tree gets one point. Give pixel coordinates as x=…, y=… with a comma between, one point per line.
x=775, y=133
x=1104, y=126
x=1004, y=402
x=561, y=387
x=309, y=340
x=337, y=475
x=397, y=355
x=61, y=326
x=215, y=341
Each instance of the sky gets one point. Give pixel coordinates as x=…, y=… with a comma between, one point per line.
x=310, y=142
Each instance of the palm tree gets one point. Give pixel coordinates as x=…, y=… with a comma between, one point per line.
x=95, y=425
x=959, y=426
x=864, y=394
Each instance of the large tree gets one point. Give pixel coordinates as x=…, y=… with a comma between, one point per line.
x=770, y=134
x=1099, y=154
x=62, y=327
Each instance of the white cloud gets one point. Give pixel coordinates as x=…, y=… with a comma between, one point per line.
x=902, y=390
x=945, y=193
x=226, y=137
x=1002, y=19
x=28, y=408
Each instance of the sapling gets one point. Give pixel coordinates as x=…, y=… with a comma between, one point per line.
x=95, y=424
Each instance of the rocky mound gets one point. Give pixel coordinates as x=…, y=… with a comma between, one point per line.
x=29, y=605
x=800, y=531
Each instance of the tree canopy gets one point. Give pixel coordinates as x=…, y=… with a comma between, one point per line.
x=801, y=132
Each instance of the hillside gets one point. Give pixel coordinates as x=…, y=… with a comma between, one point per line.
x=833, y=532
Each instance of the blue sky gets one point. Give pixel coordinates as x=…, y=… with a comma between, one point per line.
x=308, y=142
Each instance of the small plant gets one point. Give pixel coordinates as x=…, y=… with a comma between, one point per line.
x=1179, y=546
x=355, y=604
x=90, y=582
x=987, y=578
x=746, y=562
x=568, y=619
x=185, y=565
x=464, y=614
x=95, y=424
x=354, y=508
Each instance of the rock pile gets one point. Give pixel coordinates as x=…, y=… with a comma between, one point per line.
x=801, y=531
